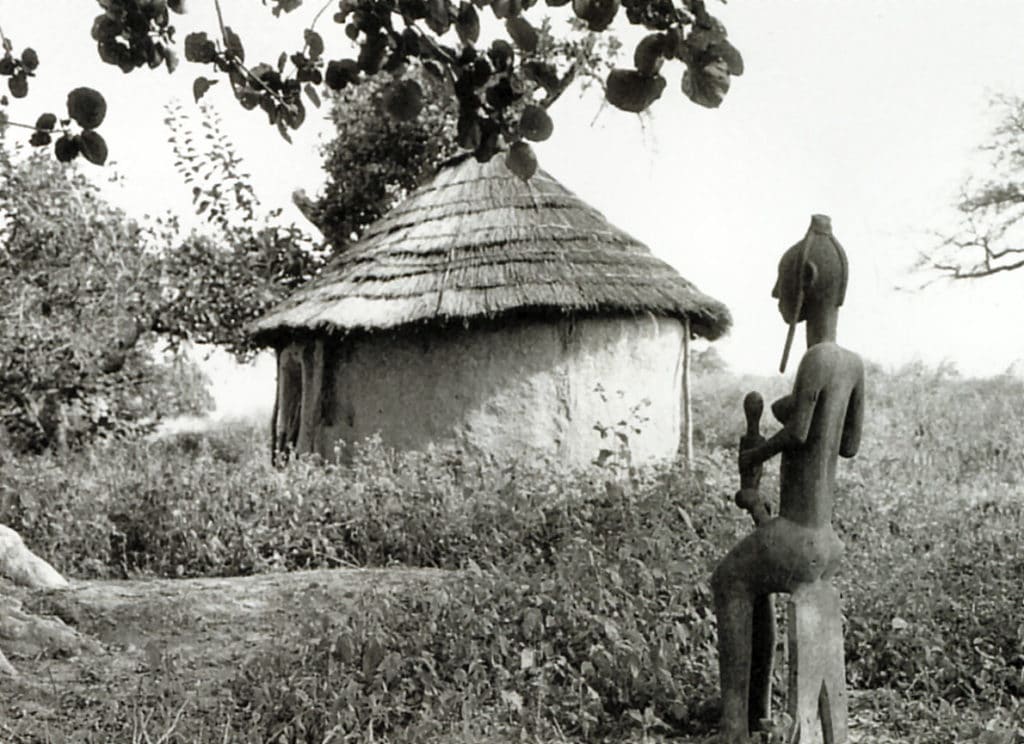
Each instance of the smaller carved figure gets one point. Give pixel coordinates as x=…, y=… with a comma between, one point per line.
x=821, y=420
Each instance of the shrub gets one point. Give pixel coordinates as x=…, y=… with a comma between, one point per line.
x=579, y=605
x=600, y=622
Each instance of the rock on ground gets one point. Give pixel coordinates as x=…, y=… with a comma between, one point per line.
x=20, y=632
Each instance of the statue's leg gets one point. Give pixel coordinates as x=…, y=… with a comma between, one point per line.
x=762, y=657
x=734, y=609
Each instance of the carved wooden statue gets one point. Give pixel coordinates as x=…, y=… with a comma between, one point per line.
x=797, y=551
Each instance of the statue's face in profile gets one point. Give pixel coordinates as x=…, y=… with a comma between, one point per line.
x=787, y=285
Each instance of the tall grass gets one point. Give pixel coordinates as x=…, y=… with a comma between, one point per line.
x=580, y=604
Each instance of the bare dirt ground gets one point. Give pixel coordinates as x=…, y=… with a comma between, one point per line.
x=200, y=631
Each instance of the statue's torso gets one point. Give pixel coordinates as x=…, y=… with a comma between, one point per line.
x=807, y=473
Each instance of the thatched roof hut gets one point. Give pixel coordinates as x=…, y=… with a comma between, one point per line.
x=502, y=314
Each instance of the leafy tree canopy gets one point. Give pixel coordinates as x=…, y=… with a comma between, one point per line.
x=484, y=85
x=81, y=294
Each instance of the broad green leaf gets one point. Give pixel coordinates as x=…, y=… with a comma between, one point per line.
x=46, y=122
x=521, y=160
x=234, y=44
x=286, y=6
x=437, y=18
x=467, y=24
x=341, y=73
x=18, y=85
x=730, y=54
x=30, y=59
x=522, y=33
x=311, y=93
x=535, y=124
x=633, y=91
x=39, y=138
x=87, y=107
x=707, y=86
x=598, y=14
x=65, y=149
x=199, y=48
x=314, y=42
x=650, y=53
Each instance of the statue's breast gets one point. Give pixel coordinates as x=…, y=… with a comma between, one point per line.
x=782, y=409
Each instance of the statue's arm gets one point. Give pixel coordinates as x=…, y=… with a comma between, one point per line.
x=798, y=415
x=849, y=445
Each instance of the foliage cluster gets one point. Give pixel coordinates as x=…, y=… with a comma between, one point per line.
x=81, y=294
x=580, y=605
x=252, y=259
x=492, y=86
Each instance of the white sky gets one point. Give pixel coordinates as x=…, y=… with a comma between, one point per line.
x=870, y=111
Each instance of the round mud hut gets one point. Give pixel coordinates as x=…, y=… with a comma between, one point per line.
x=496, y=315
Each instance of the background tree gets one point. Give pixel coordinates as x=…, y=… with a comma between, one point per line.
x=82, y=293
x=990, y=237
x=248, y=259
x=375, y=160
x=392, y=37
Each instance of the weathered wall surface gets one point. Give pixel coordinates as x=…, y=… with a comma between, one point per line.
x=528, y=388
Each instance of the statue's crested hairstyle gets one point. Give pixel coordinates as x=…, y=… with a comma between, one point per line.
x=821, y=248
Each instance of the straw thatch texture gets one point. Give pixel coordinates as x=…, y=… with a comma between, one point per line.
x=478, y=242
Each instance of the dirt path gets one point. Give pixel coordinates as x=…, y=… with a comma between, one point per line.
x=203, y=629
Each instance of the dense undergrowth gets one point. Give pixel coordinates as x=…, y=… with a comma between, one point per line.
x=580, y=606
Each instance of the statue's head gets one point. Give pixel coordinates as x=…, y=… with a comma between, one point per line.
x=812, y=274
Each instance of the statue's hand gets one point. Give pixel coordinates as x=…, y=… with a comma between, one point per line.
x=747, y=498
x=747, y=460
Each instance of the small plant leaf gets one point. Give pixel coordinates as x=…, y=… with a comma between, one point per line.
x=200, y=86
x=373, y=655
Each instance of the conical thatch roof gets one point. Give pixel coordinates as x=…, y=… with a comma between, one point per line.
x=478, y=242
